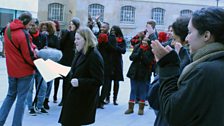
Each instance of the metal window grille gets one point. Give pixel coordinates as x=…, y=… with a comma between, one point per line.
x=158, y=15
x=127, y=15
x=96, y=10
x=185, y=13
x=55, y=11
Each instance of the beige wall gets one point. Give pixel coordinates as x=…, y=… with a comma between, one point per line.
x=112, y=10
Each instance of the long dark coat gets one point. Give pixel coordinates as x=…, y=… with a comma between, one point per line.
x=117, y=61
x=106, y=50
x=80, y=105
x=67, y=47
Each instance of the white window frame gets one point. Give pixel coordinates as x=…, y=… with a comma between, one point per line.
x=186, y=12
x=158, y=15
x=55, y=11
x=96, y=10
x=127, y=15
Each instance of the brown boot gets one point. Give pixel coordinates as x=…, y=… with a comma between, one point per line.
x=130, y=108
x=141, y=108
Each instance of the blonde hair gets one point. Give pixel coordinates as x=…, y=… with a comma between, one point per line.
x=89, y=37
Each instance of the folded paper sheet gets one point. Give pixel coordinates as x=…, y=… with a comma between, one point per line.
x=50, y=69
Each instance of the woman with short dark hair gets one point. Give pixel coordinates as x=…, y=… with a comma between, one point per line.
x=194, y=97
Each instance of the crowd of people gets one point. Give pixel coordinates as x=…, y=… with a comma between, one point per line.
x=186, y=61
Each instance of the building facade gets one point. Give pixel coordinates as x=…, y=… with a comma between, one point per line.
x=130, y=15
x=11, y=9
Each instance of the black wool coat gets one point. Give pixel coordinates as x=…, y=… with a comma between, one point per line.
x=67, y=47
x=106, y=50
x=79, y=107
x=117, y=61
x=198, y=100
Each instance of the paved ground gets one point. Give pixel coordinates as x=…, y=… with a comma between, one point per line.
x=110, y=116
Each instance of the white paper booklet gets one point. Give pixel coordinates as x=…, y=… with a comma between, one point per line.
x=50, y=69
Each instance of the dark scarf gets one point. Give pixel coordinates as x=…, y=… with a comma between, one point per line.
x=201, y=55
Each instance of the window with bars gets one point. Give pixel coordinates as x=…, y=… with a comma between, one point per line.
x=186, y=12
x=55, y=11
x=95, y=10
x=158, y=15
x=127, y=15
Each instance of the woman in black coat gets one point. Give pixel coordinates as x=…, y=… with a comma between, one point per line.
x=119, y=48
x=194, y=97
x=86, y=78
x=67, y=48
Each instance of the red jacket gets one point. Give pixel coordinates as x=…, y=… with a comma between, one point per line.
x=19, y=63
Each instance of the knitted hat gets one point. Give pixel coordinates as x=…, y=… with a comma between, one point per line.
x=76, y=22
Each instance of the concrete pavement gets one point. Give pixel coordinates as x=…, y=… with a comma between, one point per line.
x=110, y=116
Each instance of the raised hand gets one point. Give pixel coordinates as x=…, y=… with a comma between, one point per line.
x=159, y=51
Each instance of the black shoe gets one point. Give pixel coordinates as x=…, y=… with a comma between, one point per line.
x=101, y=106
x=115, y=103
x=55, y=99
x=32, y=112
x=60, y=104
x=107, y=101
x=46, y=106
x=42, y=110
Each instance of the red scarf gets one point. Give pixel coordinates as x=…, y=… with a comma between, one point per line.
x=102, y=38
x=119, y=39
x=144, y=48
x=35, y=35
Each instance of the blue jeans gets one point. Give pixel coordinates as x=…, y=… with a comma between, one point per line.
x=18, y=88
x=41, y=94
x=49, y=87
x=138, y=87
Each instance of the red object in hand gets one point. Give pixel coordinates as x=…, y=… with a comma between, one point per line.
x=102, y=38
x=162, y=36
x=119, y=39
x=144, y=47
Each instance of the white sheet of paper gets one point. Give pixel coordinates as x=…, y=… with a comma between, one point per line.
x=45, y=71
x=58, y=68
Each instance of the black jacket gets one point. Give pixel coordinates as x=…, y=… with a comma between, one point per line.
x=140, y=67
x=117, y=61
x=153, y=94
x=67, y=47
x=106, y=50
x=198, y=101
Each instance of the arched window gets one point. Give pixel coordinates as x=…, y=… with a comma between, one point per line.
x=127, y=15
x=186, y=12
x=55, y=11
x=96, y=10
x=158, y=15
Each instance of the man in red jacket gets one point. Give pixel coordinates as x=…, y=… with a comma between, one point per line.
x=19, y=51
